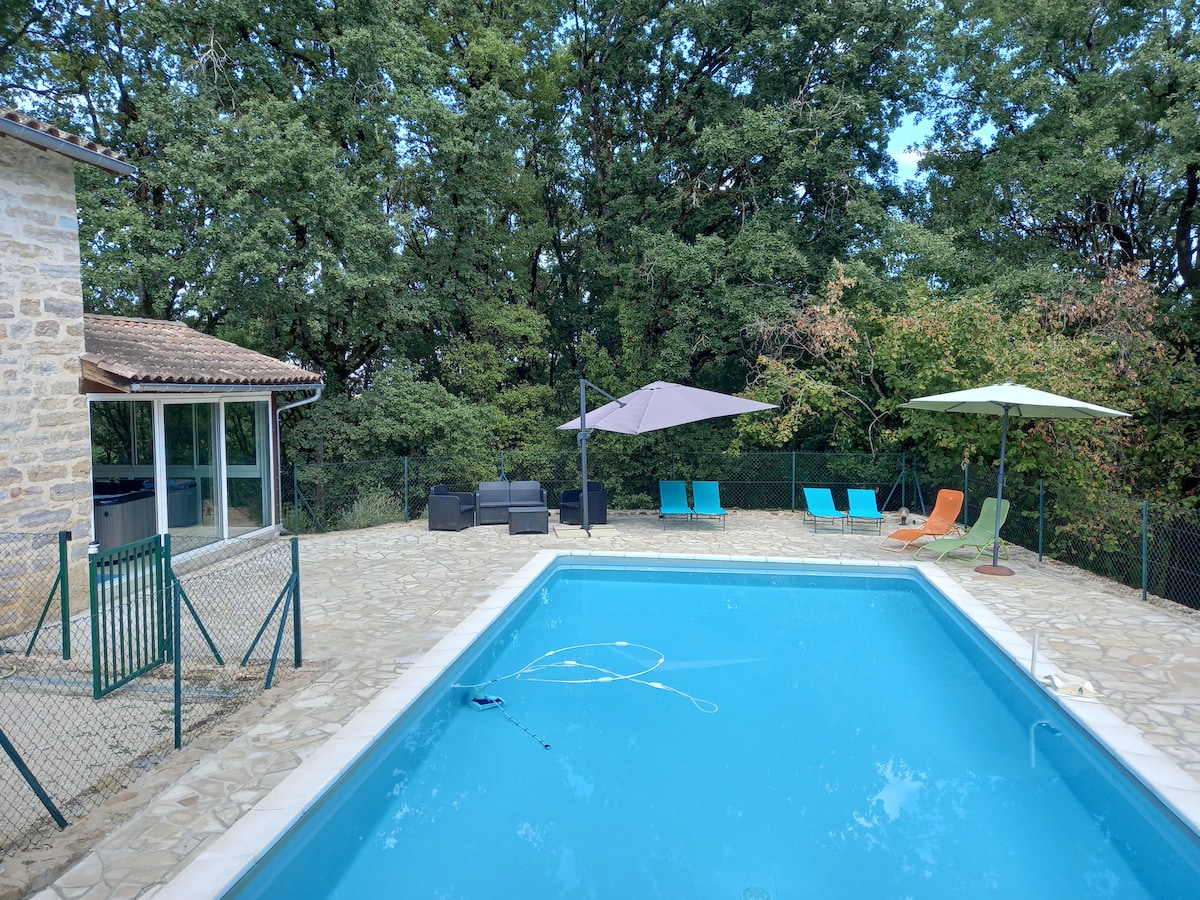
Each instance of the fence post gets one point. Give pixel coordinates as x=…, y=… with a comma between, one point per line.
x=295, y=501
x=64, y=594
x=918, y=494
x=176, y=636
x=966, y=490
x=94, y=610
x=31, y=780
x=406, y=489
x=1145, y=549
x=296, y=599
x=503, y=477
x=1041, y=513
x=793, y=481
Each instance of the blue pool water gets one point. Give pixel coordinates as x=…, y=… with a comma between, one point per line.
x=865, y=743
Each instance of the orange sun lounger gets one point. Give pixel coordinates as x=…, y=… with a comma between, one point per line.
x=941, y=521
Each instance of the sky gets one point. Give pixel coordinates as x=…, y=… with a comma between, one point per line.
x=909, y=133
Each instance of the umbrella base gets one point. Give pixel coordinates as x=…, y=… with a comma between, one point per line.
x=993, y=570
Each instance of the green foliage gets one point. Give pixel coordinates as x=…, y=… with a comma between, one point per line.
x=722, y=147
x=401, y=416
x=1065, y=136
x=373, y=506
x=848, y=368
x=296, y=519
x=454, y=211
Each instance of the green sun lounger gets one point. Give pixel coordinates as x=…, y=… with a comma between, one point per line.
x=978, y=538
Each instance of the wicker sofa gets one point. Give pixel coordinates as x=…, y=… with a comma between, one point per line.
x=494, y=499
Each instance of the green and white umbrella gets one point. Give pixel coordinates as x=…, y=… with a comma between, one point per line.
x=1004, y=400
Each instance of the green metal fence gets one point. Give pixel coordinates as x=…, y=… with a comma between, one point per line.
x=59, y=592
x=346, y=495
x=129, y=612
x=1150, y=546
x=162, y=674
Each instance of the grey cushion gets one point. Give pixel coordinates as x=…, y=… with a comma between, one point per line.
x=526, y=493
x=492, y=494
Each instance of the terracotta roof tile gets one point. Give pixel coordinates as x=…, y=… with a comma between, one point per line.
x=29, y=129
x=124, y=351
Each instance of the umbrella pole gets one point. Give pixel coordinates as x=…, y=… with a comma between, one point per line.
x=584, y=384
x=995, y=568
x=586, y=522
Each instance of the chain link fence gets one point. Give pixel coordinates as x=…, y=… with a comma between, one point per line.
x=1152, y=546
x=63, y=752
x=346, y=495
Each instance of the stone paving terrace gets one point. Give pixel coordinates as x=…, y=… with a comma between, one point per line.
x=375, y=600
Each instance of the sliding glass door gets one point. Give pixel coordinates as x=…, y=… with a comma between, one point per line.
x=248, y=466
x=190, y=439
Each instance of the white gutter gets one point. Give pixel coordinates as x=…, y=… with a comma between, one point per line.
x=313, y=399
x=278, y=443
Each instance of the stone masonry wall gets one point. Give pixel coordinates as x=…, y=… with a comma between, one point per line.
x=45, y=443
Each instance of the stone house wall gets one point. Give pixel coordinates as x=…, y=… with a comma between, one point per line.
x=45, y=445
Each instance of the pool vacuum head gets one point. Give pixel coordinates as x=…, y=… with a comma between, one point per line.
x=482, y=701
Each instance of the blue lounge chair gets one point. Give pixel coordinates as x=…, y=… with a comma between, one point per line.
x=820, y=506
x=979, y=537
x=706, y=500
x=672, y=501
x=863, y=506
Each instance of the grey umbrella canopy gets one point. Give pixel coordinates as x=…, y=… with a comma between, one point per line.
x=659, y=405
x=662, y=405
x=1004, y=400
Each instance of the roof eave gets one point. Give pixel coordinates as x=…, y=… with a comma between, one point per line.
x=156, y=387
x=66, y=148
x=97, y=377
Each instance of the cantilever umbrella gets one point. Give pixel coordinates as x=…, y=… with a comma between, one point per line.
x=650, y=408
x=1004, y=400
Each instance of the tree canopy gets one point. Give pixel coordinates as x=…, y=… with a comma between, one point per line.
x=454, y=210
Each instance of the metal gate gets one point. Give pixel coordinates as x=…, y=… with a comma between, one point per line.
x=130, y=613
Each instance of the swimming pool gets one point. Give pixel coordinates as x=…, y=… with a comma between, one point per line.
x=832, y=766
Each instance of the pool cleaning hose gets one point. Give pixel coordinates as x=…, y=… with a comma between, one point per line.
x=590, y=673
x=481, y=701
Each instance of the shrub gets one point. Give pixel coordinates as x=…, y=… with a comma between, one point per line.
x=373, y=507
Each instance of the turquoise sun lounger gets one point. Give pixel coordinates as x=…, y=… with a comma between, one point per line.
x=820, y=506
x=673, y=502
x=864, y=507
x=706, y=500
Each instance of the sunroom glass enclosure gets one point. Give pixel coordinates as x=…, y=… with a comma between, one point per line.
x=199, y=470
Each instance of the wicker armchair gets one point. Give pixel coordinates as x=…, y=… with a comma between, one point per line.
x=570, y=506
x=450, y=510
